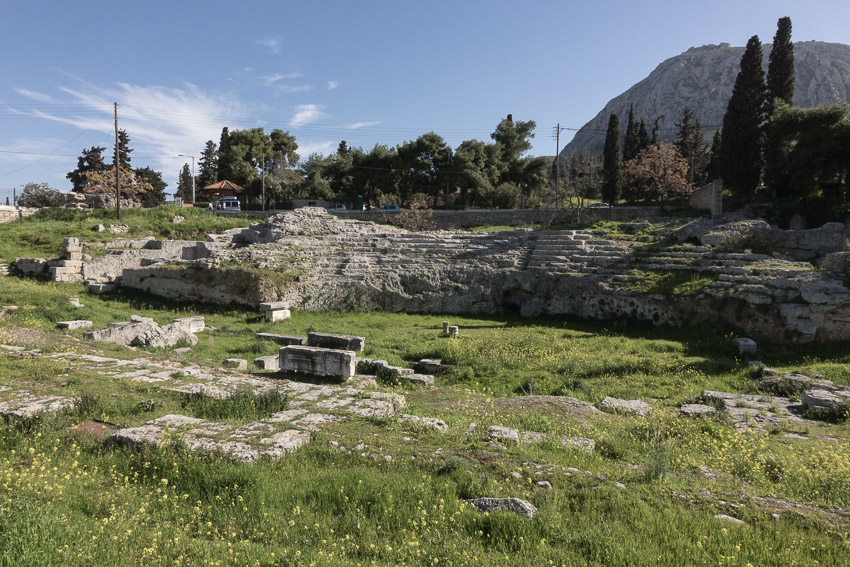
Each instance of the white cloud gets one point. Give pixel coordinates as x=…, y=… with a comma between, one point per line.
x=357, y=125
x=332, y=85
x=306, y=113
x=40, y=97
x=323, y=148
x=272, y=79
x=271, y=43
x=289, y=89
x=162, y=121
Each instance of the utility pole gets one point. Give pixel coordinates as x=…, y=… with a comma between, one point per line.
x=117, y=184
x=263, y=176
x=558, y=162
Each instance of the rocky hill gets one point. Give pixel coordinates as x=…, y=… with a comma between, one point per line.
x=702, y=79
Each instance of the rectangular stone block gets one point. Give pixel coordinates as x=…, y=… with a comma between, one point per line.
x=100, y=288
x=192, y=324
x=71, y=325
x=329, y=340
x=316, y=360
x=271, y=362
x=76, y=264
x=283, y=340
x=70, y=242
x=73, y=256
x=274, y=306
x=278, y=315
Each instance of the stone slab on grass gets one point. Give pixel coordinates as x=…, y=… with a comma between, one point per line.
x=73, y=325
x=271, y=362
x=341, y=342
x=236, y=363
x=632, y=407
x=512, y=505
x=283, y=340
x=24, y=405
x=248, y=443
x=317, y=360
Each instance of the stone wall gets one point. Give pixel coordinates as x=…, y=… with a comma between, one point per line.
x=8, y=213
x=453, y=220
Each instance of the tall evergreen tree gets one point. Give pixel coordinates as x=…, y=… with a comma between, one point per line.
x=611, y=161
x=689, y=142
x=742, y=143
x=225, y=159
x=655, y=128
x=631, y=143
x=780, y=86
x=643, y=136
x=208, y=165
x=123, y=150
x=184, y=184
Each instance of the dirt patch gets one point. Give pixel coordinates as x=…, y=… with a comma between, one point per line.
x=100, y=430
x=562, y=406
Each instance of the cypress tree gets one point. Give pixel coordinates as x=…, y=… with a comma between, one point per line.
x=780, y=86
x=643, y=136
x=689, y=142
x=741, y=147
x=611, y=161
x=713, y=169
x=631, y=141
x=224, y=156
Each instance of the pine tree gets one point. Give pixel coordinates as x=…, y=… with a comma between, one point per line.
x=90, y=160
x=611, y=161
x=208, y=165
x=741, y=148
x=632, y=140
x=123, y=150
x=780, y=86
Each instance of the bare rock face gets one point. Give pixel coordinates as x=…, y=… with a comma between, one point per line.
x=702, y=79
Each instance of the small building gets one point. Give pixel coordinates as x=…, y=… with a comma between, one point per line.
x=221, y=189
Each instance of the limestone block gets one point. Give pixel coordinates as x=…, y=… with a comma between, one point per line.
x=101, y=288
x=431, y=366
x=454, y=330
x=73, y=256
x=271, y=362
x=71, y=325
x=446, y=327
x=274, y=306
x=744, y=345
x=70, y=242
x=30, y=266
x=343, y=342
x=75, y=301
x=822, y=399
x=697, y=410
x=317, y=360
x=282, y=340
x=193, y=324
x=75, y=264
x=416, y=379
x=278, y=315
x=429, y=422
x=237, y=363
x=513, y=505
x=614, y=405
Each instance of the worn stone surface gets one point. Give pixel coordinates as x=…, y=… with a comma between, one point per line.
x=428, y=422
x=144, y=331
x=25, y=404
x=614, y=405
x=282, y=340
x=757, y=412
x=237, y=363
x=502, y=434
x=316, y=360
x=744, y=345
x=271, y=362
x=73, y=325
x=697, y=410
x=512, y=505
x=824, y=399
x=342, y=342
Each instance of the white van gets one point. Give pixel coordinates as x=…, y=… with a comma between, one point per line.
x=226, y=204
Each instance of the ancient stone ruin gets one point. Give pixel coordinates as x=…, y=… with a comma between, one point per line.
x=307, y=259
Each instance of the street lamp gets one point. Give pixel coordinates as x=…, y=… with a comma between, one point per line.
x=193, y=176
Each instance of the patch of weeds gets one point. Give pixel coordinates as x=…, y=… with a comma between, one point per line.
x=86, y=405
x=146, y=406
x=243, y=404
x=659, y=460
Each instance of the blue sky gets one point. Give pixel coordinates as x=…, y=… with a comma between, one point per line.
x=365, y=72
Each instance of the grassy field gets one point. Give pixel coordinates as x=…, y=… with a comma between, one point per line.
x=647, y=495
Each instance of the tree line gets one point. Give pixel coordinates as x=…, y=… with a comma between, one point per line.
x=767, y=152
x=426, y=170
